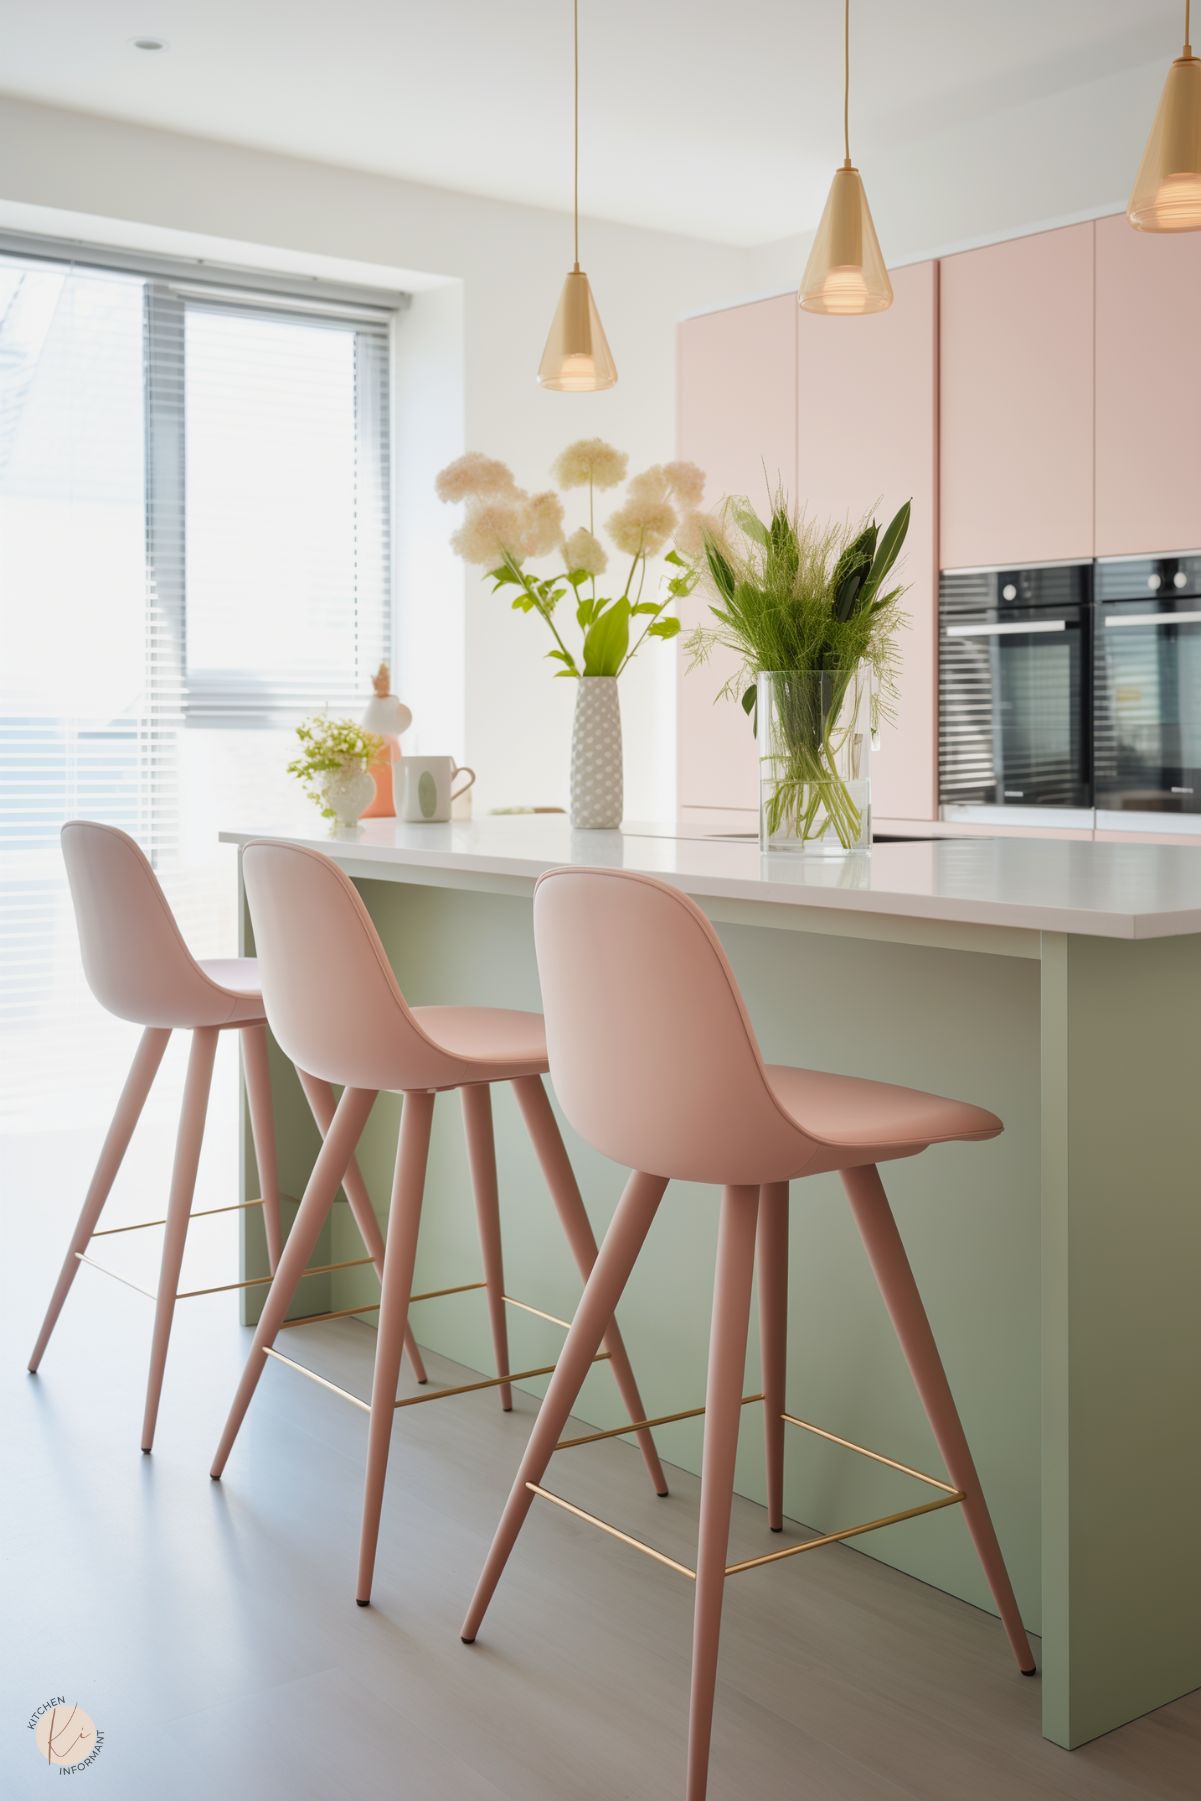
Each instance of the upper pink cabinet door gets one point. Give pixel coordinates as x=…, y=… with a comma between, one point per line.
x=867, y=437
x=1148, y=390
x=737, y=416
x=1017, y=401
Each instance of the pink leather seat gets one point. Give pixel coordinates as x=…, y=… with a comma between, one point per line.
x=870, y=1122
x=511, y=1043
x=237, y=975
x=336, y=1008
x=656, y=1064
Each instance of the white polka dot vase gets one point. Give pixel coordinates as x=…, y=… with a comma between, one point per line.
x=596, y=796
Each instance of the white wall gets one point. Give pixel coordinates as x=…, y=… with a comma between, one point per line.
x=487, y=276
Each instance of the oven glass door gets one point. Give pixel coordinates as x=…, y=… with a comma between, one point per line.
x=1148, y=706
x=1013, y=709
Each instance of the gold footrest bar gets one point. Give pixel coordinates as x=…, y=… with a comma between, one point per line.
x=440, y=1394
x=433, y=1294
x=552, y=1318
x=316, y=1319
x=191, y=1294
x=318, y=1269
x=470, y=1388
x=592, y=1519
x=144, y=1225
x=835, y=1538
x=748, y=1563
x=321, y=1381
x=949, y=1497
x=123, y=1280
x=849, y=1444
x=664, y=1419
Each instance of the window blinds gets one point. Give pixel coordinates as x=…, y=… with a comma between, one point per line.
x=194, y=553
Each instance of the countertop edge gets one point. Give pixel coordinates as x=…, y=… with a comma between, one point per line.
x=1032, y=916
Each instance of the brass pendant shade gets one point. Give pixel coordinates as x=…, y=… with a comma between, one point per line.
x=577, y=358
x=845, y=274
x=1167, y=192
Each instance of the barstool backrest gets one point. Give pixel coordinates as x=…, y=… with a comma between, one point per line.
x=329, y=993
x=652, y=1054
x=134, y=956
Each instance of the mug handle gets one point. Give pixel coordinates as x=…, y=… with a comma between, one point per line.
x=461, y=769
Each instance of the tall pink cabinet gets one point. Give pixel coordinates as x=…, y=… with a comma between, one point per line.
x=1016, y=401
x=1148, y=470
x=844, y=413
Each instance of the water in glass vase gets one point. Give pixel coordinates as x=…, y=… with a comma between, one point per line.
x=814, y=736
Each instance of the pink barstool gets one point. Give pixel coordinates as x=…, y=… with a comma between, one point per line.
x=334, y=1006
x=655, y=1063
x=138, y=967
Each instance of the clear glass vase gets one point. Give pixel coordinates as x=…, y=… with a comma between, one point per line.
x=814, y=732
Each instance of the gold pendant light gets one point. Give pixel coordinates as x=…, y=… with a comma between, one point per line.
x=1167, y=193
x=577, y=358
x=845, y=273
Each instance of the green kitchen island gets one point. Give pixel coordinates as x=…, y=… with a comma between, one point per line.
x=1056, y=983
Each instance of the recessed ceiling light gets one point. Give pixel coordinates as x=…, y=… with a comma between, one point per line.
x=149, y=44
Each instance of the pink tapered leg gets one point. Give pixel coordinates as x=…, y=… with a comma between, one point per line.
x=262, y=1127
x=878, y=1229
x=602, y=1291
x=481, y=1155
x=320, y=1097
x=143, y=1070
x=773, y=1337
x=400, y=1256
x=548, y=1143
x=723, y=1412
x=311, y=1215
x=179, y=1211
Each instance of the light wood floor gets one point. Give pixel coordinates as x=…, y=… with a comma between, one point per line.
x=211, y=1632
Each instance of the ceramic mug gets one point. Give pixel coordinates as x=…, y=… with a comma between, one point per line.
x=423, y=788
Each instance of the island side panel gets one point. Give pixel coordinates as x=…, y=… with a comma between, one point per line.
x=296, y=1143
x=1121, y=1329
x=961, y=1022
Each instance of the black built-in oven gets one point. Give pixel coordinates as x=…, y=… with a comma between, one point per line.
x=1015, y=688
x=1147, y=685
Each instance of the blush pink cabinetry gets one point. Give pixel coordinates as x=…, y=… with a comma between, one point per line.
x=737, y=414
x=1016, y=384
x=867, y=436
x=1148, y=391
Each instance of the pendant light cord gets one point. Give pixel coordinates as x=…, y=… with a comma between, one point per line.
x=1188, y=27
x=575, y=202
x=846, y=83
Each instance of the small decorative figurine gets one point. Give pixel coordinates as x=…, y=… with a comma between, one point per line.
x=388, y=718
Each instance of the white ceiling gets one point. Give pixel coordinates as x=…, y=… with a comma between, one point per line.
x=719, y=118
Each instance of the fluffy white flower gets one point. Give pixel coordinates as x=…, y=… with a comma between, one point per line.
x=492, y=530
x=649, y=486
x=681, y=483
x=474, y=476
x=693, y=529
x=543, y=523
x=590, y=460
x=687, y=483
x=642, y=526
x=583, y=551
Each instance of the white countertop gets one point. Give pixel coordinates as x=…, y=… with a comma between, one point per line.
x=1104, y=890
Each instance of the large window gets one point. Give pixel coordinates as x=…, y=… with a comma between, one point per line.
x=194, y=553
